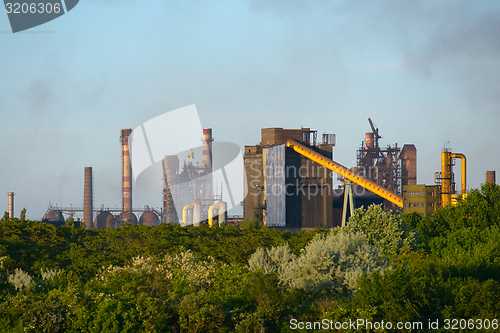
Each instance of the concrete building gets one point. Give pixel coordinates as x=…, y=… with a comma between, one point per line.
x=421, y=199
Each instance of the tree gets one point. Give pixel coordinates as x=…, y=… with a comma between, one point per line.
x=384, y=229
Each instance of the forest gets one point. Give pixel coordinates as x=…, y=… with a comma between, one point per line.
x=383, y=272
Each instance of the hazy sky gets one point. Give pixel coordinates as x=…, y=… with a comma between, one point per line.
x=426, y=72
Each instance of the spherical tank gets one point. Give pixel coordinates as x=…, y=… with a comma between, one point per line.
x=128, y=217
x=149, y=218
x=101, y=220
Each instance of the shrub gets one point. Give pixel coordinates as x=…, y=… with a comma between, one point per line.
x=384, y=229
x=333, y=263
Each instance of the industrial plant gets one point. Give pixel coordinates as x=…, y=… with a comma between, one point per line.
x=292, y=182
x=188, y=196
x=289, y=179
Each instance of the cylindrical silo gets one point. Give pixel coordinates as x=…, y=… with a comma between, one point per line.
x=87, y=198
x=126, y=172
x=11, y=205
x=222, y=212
x=490, y=177
x=196, y=213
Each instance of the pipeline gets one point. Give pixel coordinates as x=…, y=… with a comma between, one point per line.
x=342, y=170
x=463, y=161
x=185, y=214
x=211, y=214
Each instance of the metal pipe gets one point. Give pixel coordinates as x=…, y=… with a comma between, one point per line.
x=342, y=170
x=87, y=198
x=211, y=214
x=463, y=162
x=11, y=205
x=126, y=171
x=185, y=214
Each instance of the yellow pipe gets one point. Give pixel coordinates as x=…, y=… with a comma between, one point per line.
x=342, y=170
x=211, y=214
x=185, y=214
x=463, y=160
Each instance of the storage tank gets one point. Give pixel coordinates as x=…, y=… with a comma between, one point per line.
x=103, y=220
x=149, y=218
x=126, y=217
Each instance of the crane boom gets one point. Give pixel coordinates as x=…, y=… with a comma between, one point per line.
x=374, y=129
x=342, y=170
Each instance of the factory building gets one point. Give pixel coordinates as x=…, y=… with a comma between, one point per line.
x=286, y=189
x=422, y=199
x=290, y=178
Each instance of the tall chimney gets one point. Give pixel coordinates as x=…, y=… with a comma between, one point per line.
x=126, y=172
x=490, y=177
x=207, y=162
x=87, y=198
x=207, y=149
x=11, y=205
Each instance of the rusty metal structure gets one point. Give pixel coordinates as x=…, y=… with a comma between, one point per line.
x=88, y=198
x=381, y=165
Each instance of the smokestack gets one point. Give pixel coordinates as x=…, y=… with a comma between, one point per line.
x=490, y=177
x=207, y=148
x=126, y=172
x=87, y=198
x=11, y=205
x=207, y=162
x=369, y=137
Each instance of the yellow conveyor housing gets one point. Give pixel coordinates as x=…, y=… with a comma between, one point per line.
x=343, y=171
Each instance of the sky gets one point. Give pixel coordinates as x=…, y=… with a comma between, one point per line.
x=425, y=72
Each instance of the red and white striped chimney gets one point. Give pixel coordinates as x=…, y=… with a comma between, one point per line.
x=126, y=172
x=207, y=148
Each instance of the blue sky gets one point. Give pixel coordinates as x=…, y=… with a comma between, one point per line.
x=426, y=72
